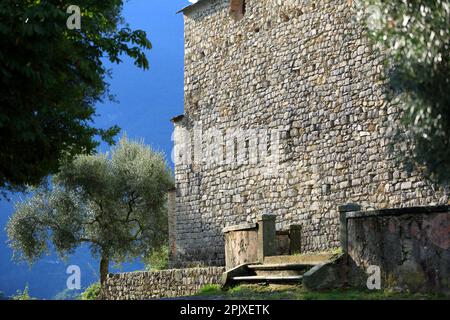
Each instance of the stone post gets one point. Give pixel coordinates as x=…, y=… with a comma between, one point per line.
x=295, y=239
x=343, y=210
x=171, y=212
x=267, y=236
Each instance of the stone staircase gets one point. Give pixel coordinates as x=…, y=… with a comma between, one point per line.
x=278, y=269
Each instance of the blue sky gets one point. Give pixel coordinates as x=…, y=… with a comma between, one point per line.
x=147, y=100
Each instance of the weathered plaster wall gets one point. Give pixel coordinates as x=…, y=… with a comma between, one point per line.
x=411, y=246
x=302, y=67
x=241, y=245
x=159, y=284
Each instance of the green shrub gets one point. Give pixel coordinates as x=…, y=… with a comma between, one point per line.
x=158, y=259
x=92, y=292
x=68, y=294
x=22, y=295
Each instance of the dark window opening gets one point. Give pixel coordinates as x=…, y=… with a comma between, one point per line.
x=192, y=149
x=237, y=9
x=247, y=149
x=224, y=148
x=269, y=144
x=235, y=149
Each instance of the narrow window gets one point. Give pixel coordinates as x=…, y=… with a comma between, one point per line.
x=212, y=154
x=224, y=147
x=192, y=150
x=247, y=149
x=269, y=144
x=237, y=9
x=235, y=149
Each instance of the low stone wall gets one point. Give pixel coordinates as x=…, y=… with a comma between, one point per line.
x=159, y=284
x=411, y=246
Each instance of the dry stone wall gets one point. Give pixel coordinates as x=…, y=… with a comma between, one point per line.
x=159, y=284
x=300, y=71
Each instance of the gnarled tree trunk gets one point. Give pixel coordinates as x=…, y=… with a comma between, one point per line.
x=104, y=268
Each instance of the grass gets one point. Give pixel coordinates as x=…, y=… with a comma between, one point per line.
x=290, y=292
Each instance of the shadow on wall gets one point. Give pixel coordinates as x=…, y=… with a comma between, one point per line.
x=408, y=249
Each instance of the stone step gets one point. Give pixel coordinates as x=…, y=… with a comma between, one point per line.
x=281, y=266
x=270, y=279
x=309, y=259
x=280, y=270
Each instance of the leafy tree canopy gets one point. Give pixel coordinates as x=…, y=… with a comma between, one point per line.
x=415, y=35
x=114, y=203
x=157, y=259
x=52, y=77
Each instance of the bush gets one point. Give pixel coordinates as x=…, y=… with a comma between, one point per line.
x=68, y=294
x=158, y=259
x=22, y=295
x=92, y=292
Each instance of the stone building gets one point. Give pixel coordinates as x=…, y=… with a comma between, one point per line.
x=285, y=113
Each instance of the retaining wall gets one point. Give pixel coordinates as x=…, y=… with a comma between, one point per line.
x=411, y=246
x=159, y=284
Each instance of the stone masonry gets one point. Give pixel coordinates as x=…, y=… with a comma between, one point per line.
x=411, y=246
x=294, y=96
x=159, y=284
x=402, y=249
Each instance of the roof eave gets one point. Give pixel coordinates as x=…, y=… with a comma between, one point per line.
x=177, y=118
x=191, y=6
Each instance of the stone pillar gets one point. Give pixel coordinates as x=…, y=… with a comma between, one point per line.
x=343, y=211
x=267, y=236
x=295, y=239
x=171, y=212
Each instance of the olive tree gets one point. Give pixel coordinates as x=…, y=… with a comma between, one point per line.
x=115, y=203
x=415, y=39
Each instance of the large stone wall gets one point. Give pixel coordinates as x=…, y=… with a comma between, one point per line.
x=159, y=284
x=302, y=69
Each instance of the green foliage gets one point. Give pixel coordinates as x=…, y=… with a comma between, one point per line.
x=51, y=79
x=92, y=292
x=115, y=203
x=22, y=295
x=68, y=294
x=415, y=35
x=210, y=289
x=158, y=258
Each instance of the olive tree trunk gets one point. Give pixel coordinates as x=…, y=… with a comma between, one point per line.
x=104, y=269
